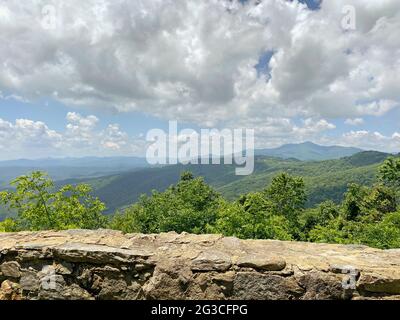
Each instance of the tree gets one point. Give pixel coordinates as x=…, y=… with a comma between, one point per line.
x=383, y=235
x=389, y=172
x=190, y=205
x=353, y=202
x=249, y=218
x=322, y=215
x=39, y=207
x=232, y=220
x=287, y=197
x=363, y=203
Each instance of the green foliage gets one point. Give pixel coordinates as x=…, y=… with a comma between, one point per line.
x=189, y=206
x=372, y=203
x=389, y=172
x=324, y=180
x=39, y=208
x=368, y=215
x=270, y=214
x=242, y=219
x=320, y=216
x=385, y=234
x=7, y=225
x=287, y=198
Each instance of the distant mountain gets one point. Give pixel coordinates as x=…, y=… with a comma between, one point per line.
x=103, y=162
x=308, y=151
x=91, y=167
x=67, y=168
x=324, y=180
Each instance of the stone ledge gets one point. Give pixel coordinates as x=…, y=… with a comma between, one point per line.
x=106, y=264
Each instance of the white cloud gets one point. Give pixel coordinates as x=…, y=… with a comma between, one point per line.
x=372, y=140
x=354, y=122
x=27, y=138
x=114, y=138
x=180, y=58
x=194, y=61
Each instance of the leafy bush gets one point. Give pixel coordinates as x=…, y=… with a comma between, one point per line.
x=38, y=207
x=189, y=206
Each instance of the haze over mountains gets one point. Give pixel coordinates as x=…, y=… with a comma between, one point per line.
x=67, y=168
x=90, y=167
x=309, y=151
x=119, y=181
x=326, y=179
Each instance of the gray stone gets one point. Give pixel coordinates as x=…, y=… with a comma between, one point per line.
x=212, y=260
x=62, y=292
x=261, y=262
x=85, y=264
x=256, y=286
x=29, y=281
x=77, y=252
x=10, y=269
x=64, y=268
x=377, y=283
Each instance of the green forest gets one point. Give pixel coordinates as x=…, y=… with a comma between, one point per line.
x=367, y=214
x=324, y=180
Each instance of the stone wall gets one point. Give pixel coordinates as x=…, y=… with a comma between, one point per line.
x=104, y=264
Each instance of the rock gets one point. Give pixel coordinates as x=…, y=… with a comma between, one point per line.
x=105, y=264
x=10, y=269
x=212, y=260
x=10, y=291
x=322, y=286
x=64, y=268
x=378, y=283
x=259, y=262
x=29, y=281
x=72, y=292
x=77, y=252
x=170, y=279
x=118, y=289
x=256, y=286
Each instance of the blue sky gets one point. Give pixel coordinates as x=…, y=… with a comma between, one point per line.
x=102, y=77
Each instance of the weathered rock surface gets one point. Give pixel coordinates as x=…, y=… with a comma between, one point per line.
x=105, y=264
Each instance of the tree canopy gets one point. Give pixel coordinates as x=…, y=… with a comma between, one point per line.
x=38, y=206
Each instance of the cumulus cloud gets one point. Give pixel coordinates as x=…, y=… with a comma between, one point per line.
x=194, y=61
x=81, y=137
x=354, y=122
x=372, y=140
x=27, y=135
x=165, y=57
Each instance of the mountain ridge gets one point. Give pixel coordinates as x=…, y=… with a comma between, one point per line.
x=309, y=151
x=324, y=180
x=286, y=151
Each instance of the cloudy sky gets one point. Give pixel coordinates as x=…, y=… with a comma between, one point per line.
x=92, y=77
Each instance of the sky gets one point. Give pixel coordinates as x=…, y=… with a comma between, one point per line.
x=92, y=78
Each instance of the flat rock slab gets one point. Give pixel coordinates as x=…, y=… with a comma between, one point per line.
x=107, y=264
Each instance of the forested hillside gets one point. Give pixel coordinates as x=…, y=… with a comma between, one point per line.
x=323, y=179
x=366, y=215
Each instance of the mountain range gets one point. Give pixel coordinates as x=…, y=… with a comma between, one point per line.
x=308, y=151
x=120, y=181
x=67, y=168
x=91, y=167
x=324, y=180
